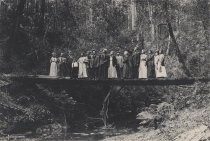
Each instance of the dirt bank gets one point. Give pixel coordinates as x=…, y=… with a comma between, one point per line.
x=189, y=125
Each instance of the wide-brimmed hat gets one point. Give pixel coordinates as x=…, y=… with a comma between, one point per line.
x=136, y=48
x=126, y=52
x=111, y=52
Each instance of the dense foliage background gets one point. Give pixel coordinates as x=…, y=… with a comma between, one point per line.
x=31, y=30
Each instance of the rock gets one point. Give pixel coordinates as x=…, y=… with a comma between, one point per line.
x=165, y=110
x=148, y=119
x=145, y=115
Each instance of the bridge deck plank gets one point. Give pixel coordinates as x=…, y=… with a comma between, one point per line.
x=69, y=81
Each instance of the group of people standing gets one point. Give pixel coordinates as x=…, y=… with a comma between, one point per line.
x=130, y=65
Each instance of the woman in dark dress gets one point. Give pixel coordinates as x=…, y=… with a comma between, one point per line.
x=130, y=65
x=62, y=71
x=150, y=65
x=75, y=69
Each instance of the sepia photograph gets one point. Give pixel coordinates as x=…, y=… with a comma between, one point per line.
x=104, y=70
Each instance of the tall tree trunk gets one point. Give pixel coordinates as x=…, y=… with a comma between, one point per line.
x=42, y=24
x=133, y=14
x=19, y=12
x=90, y=12
x=55, y=15
x=129, y=17
x=73, y=20
x=170, y=30
x=13, y=32
x=152, y=26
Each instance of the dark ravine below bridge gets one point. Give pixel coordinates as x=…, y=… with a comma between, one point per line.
x=107, y=87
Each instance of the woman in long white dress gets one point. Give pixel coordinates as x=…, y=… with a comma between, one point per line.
x=156, y=60
x=53, y=65
x=82, y=61
x=112, y=71
x=161, y=65
x=143, y=65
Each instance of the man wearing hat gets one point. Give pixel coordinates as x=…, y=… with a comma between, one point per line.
x=92, y=69
x=69, y=60
x=126, y=65
x=150, y=65
x=103, y=68
x=136, y=62
x=88, y=66
x=62, y=67
x=96, y=64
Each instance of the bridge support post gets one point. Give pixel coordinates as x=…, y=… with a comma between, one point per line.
x=114, y=89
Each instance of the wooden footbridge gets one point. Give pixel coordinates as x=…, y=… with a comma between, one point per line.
x=72, y=82
x=114, y=85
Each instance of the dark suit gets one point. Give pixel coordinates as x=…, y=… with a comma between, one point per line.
x=88, y=66
x=69, y=61
x=96, y=66
x=151, y=67
x=91, y=65
x=125, y=67
x=119, y=66
x=103, y=68
x=136, y=62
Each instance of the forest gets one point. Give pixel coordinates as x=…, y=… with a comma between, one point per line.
x=30, y=30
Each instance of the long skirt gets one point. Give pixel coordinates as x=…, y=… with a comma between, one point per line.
x=130, y=71
x=161, y=71
x=135, y=72
x=151, y=69
x=69, y=69
x=63, y=69
x=125, y=71
x=82, y=71
x=53, y=69
x=119, y=72
x=74, y=73
x=103, y=71
x=112, y=72
x=143, y=70
x=156, y=71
